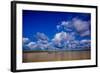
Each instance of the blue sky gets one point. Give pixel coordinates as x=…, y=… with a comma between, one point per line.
x=54, y=24
x=46, y=22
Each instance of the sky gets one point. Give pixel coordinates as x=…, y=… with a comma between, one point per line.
x=46, y=22
x=53, y=24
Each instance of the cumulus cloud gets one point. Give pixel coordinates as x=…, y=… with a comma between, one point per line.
x=85, y=44
x=59, y=36
x=82, y=27
x=85, y=41
x=37, y=46
x=86, y=33
x=74, y=44
x=42, y=44
x=32, y=45
x=42, y=41
x=63, y=36
x=65, y=26
x=65, y=39
x=59, y=27
x=62, y=40
x=25, y=40
x=41, y=36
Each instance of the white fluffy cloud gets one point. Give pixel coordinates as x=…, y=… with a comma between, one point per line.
x=40, y=44
x=41, y=36
x=64, y=39
x=65, y=25
x=60, y=42
x=32, y=45
x=63, y=36
x=83, y=27
x=80, y=25
x=59, y=36
x=37, y=46
x=25, y=40
x=85, y=44
x=85, y=41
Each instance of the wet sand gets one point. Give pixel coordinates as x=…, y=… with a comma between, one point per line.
x=43, y=56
